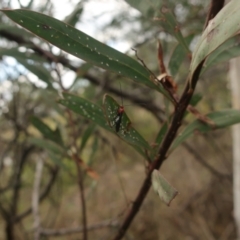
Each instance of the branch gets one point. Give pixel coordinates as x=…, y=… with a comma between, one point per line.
x=43, y=195
x=67, y=231
x=162, y=154
x=199, y=158
x=17, y=174
x=35, y=198
x=83, y=201
x=80, y=175
x=215, y=7
x=167, y=141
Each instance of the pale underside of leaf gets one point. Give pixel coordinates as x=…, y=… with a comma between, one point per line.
x=163, y=188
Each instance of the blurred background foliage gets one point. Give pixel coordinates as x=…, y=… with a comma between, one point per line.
x=33, y=76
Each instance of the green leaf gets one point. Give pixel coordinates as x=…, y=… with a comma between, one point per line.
x=95, y=114
x=161, y=133
x=74, y=16
x=222, y=119
x=46, y=131
x=48, y=98
x=83, y=69
x=196, y=98
x=147, y=8
x=158, y=140
x=86, y=135
x=166, y=19
x=228, y=50
x=58, y=161
x=85, y=108
x=81, y=45
x=15, y=31
x=14, y=52
x=163, y=188
x=55, y=152
x=178, y=56
x=38, y=70
x=223, y=27
x=126, y=132
x=48, y=146
x=93, y=152
x=30, y=61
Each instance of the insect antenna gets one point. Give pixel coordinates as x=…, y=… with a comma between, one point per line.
x=121, y=93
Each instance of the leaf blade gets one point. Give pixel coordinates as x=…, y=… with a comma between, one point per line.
x=80, y=45
x=222, y=119
x=85, y=108
x=163, y=188
x=46, y=131
x=126, y=132
x=167, y=19
x=224, y=26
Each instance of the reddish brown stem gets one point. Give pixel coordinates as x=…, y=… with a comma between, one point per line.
x=80, y=179
x=180, y=109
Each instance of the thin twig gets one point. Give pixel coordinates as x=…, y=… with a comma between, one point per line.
x=83, y=201
x=43, y=195
x=80, y=174
x=66, y=231
x=199, y=158
x=115, y=159
x=17, y=178
x=35, y=198
x=159, y=81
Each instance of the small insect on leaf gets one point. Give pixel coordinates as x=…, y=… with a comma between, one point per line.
x=116, y=115
x=120, y=122
x=118, y=118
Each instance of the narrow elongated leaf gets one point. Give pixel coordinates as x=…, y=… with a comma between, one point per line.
x=163, y=188
x=161, y=133
x=86, y=135
x=146, y=8
x=48, y=146
x=228, y=50
x=38, y=70
x=178, y=56
x=95, y=114
x=46, y=131
x=55, y=152
x=74, y=17
x=30, y=61
x=158, y=140
x=85, y=108
x=196, y=98
x=221, y=119
x=94, y=150
x=58, y=160
x=15, y=31
x=80, y=45
x=48, y=98
x=14, y=52
x=166, y=19
x=223, y=27
x=126, y=131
